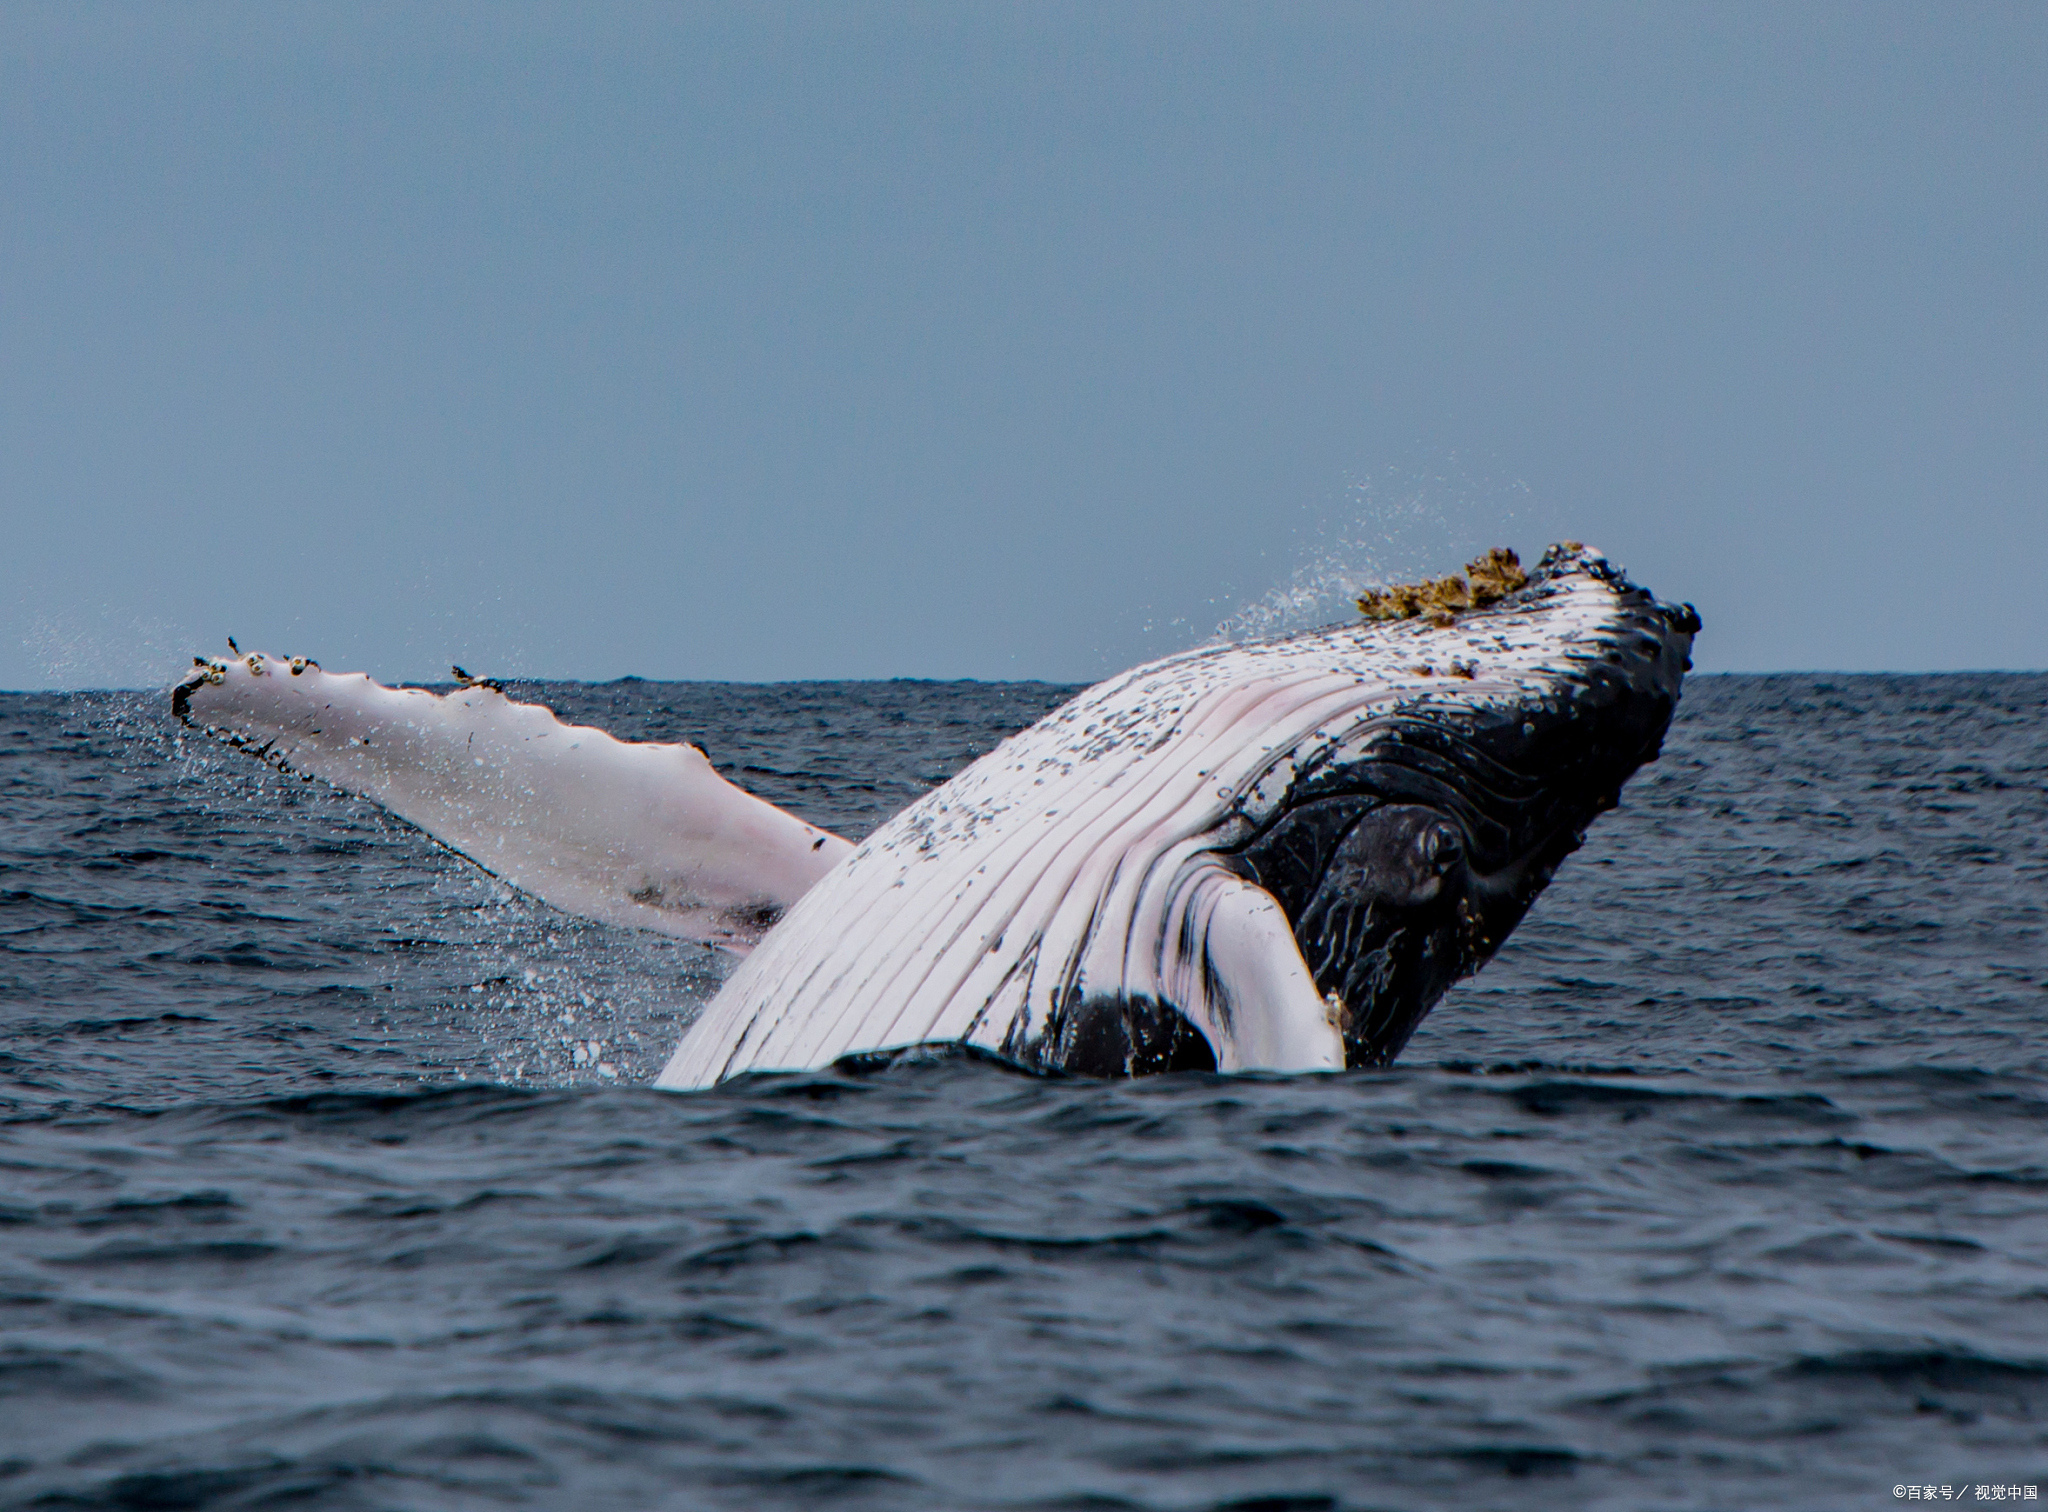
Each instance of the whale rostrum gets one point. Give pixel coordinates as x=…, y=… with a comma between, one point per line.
x=1271, y=855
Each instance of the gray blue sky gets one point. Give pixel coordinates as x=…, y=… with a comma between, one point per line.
x=972, y=340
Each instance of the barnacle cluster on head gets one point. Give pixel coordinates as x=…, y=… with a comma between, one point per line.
x=1486, y=580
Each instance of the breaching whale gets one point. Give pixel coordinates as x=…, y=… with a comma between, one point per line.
x=1275, y=854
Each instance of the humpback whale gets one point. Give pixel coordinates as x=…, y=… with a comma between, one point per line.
x=1269, y=855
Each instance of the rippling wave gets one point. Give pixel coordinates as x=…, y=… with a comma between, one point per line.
x=327, y=1182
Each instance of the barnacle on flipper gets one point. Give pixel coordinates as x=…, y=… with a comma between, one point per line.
x=1486, y=580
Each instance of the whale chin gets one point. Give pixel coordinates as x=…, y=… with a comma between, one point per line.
x=1273, y=855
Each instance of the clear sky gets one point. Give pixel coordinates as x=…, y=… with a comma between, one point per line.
x=969, y=340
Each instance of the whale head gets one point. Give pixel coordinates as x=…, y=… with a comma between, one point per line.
x=1402, y=857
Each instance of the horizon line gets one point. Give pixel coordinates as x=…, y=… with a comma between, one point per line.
x=1055, y=682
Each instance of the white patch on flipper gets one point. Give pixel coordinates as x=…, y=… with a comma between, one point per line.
x=1244, y=983
x=633, y=833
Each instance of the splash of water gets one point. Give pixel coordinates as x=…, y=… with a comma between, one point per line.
x=109, y=651
x=1397, y=526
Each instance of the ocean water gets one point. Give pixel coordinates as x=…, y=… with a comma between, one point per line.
x=329, y=1178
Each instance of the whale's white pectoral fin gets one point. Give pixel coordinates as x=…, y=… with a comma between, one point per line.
x=1235, y=971
x=627, y=832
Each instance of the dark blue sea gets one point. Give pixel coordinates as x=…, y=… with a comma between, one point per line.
x=329, y=1177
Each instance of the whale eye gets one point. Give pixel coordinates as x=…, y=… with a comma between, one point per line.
x=1438, y=847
